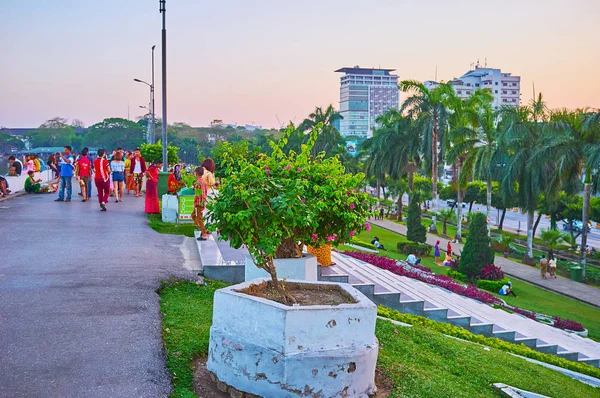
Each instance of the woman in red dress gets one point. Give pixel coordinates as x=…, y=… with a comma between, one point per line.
x=174, y=183
x=152, y=188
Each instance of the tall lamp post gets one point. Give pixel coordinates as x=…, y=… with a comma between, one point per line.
x=150, y=135
x=163, y=11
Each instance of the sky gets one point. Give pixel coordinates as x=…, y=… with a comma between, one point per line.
x=267, y=62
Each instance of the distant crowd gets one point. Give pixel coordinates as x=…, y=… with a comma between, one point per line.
x=113, y=174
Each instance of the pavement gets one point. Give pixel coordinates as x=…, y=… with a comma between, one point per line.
x=79, y=312
x=561, y=285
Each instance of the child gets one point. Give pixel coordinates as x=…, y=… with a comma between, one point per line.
x=201, y=192
x=32, y=185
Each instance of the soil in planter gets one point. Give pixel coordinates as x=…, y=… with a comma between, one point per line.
x=305, y=294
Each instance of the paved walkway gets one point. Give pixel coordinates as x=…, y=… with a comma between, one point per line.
x=79, y=313
x=564, y=286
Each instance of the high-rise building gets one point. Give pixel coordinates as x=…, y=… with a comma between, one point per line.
x=365, y=94
x=505, y=87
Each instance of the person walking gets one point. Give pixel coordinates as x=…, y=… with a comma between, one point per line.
x=152, y=206
x=117, y=165
x=66, y=173
x=552, y=267
x=83, y=173
x=449, y=248
x=544, y=266
x=137, y=169
x=201, y=193
x=102, y=178
x=128, y=176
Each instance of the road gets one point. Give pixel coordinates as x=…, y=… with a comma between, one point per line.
x=518, y=221
x=80, y=314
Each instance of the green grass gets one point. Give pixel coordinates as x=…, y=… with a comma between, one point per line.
x=187, y=316
x=418, y=361
x=530, y=297
x=155, y=222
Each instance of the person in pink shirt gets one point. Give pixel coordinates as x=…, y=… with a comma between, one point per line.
x=29, y=164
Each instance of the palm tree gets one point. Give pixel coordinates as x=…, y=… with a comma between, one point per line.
x=472, y=142
x=446, y=215
x=552, y=238
x=329, y=139
x=592, y=152
x=429, y=109
x=520, y=136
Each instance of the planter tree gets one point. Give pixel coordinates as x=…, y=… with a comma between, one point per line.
x=477, y=252
x=275, y=204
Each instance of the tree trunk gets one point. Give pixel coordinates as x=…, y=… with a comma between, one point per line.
x=584, y=219
x=489, y=206
x=378, y=189
x=411, y=178
x=471, y=207
x=530, y=216
x=286, y=297
x=458, y=236
x=434, y=167
x=400, y=207
x=444, y=230
x=553, y=220
x=502, y=219
x=537, y=221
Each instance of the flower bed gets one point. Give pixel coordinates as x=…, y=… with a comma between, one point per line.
x=425, y=275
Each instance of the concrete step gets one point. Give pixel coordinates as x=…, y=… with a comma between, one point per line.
x=568, y=355
x=459, y=320
x=506, y=335
x=530, y=342
x=591, y=361
x=547, y=348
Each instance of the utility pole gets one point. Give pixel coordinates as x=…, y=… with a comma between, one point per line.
x=153, y=137
x=163, y=11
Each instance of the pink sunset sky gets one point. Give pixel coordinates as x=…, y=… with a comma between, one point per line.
x=248, y=61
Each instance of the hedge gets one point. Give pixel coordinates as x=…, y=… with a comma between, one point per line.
x=459, y=276
x=461, y=333
x=358, y=242
x=418, y=249
x=491, y=286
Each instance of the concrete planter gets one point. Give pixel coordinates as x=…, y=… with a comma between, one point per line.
x=268, y=349
x=304, y=269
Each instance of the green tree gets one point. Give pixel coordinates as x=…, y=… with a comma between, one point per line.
x=416, y=232
x=429, y=110
x=114, y=133
x=447, y=215
x=398, y=188
x=477, y=252
x=552, y=238
x=329, y=139
x=8, y=142
x=473, y=193
x=154, y=152
x=53, y=132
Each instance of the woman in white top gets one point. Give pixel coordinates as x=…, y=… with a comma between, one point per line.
x=118, y=175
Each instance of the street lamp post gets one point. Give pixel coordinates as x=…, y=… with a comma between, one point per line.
x=150, y=134
x=152, y=105
x=163, y=11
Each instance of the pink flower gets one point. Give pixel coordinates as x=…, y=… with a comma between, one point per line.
x=299, y=169
x=352, y=233
x=267, y=168
x=352, y=206
x=309, y=177
x=314, y=237
x=330, y=238
x=367, y=226
x=303, y=200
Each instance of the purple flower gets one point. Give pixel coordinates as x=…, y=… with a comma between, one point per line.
x=299, y=169
x=309, y=177
x=352, y=206
x=267, y=168
x=303, y=200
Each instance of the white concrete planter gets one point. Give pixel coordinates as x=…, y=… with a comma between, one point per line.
x=583, y=333
x=170, y=208
x=304, y=268
x=272, y=350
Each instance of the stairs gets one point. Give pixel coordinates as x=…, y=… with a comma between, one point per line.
x=415, y=297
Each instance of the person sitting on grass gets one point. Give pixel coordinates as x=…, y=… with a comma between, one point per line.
x=507, y=289
x=375, y=242
x=413, y=260
x=448, y=260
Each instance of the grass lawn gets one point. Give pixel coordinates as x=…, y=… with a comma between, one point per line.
x=530, y=297
x=155, y=222
x=420, y=362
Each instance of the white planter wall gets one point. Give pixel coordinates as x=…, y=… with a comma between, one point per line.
x=272, y=350
x=304, y=268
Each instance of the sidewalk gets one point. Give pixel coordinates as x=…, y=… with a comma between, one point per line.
x=564, y=286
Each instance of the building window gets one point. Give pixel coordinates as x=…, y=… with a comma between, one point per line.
x=513, y=92
x=503, y=91
x=459, y=91
x=468, y=92
x=514, y=100
x=476, y=84
x=468, y=84
x=505, y=84
x=496, y=91
x=496, y=83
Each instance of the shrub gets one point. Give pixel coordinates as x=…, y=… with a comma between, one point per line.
x=477, y=252
x=153, y=153
x=416, y=232
x=418, y=249
x=458, y=332
x=457, y=275
x=491, y=286
x=491, y=272
x=358, y=242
